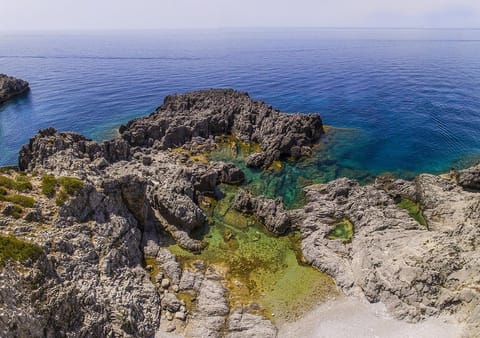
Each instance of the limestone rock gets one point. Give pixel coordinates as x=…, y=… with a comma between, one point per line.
x=224, y=111
x=11, y=87
x=470, y=178
x=171, y=303
x=416, y=271
x=246, y=325
x=139, y=196
x=270, y=212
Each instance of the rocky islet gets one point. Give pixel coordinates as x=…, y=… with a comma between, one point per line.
x=106, y=268
x=11, y=87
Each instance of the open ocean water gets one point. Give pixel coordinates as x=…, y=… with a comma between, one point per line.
x=411, y=98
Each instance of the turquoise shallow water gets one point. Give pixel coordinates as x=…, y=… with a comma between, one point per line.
x=410, y=99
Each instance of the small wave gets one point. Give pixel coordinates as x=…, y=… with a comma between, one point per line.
x=92, y=57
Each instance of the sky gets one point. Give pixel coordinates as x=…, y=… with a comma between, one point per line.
x=187, y=14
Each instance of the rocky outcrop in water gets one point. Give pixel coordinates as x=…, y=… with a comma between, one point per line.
x=226, y=112
x=11, y=87
x=271, y=213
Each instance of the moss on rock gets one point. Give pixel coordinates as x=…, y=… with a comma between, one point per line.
x=342, y=230
x=413, y=209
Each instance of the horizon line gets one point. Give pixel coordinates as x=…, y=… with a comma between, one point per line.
x=220, y=28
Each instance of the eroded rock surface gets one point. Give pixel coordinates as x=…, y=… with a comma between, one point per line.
x=105, y=270
x=470, y=178
x=11, y=87
x=416, y=270
x=270, y=213
x=218, y=112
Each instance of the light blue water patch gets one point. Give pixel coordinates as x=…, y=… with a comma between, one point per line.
x=413, y=97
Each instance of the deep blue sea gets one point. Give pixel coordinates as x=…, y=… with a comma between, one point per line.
x=411, y=98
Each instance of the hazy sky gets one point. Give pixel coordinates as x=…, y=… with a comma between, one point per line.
x=153, y=14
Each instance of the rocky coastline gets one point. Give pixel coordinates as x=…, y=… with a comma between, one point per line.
x=111, y=209
x=11, y=87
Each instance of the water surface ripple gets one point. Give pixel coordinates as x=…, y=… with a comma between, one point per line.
x=413, y=96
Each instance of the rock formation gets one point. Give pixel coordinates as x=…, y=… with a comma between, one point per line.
x=470, y=178
x=92, y=278
x=416, y=270
x=105, y=269
x=11, y=87
x=224, y=112
x=271, y=213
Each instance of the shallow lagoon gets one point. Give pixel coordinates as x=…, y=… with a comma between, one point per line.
x=264, y=272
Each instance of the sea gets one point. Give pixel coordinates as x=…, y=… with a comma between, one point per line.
x=407, y=100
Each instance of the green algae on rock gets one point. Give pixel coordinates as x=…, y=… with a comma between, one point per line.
x=413, y=209
x=264, y=272
x=288, y=178
x=342, y=230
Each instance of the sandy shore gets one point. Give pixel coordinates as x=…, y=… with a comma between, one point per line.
x=351, y=318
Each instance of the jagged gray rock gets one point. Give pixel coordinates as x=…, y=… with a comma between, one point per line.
x=92, y=279
x=470, y=178
x=416, y=271
x=135, y=192
x=216, y=112
x=11, y=87
x=270, y=213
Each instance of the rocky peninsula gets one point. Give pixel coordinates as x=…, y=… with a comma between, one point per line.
x=87, y=227
x=11, y=87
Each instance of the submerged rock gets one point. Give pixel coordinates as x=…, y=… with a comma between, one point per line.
x=11, y=87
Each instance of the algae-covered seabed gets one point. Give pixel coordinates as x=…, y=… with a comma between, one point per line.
x=266, y=272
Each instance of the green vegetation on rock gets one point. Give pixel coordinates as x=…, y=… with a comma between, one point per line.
x=413, y=210
x=21, y=183
x=151, y=261
x=22, y=200
x=16, y=212
x=12, y=248
x=49, y=183
x=6, y=170
x=342, y=230
x=61, y=187
x=70, y=184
